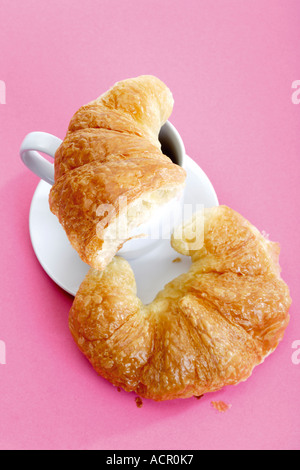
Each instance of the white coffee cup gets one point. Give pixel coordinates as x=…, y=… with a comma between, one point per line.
x=172, y=146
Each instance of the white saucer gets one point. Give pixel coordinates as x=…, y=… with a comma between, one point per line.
x=152, y=270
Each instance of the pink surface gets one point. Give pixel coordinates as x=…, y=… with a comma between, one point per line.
x=230, y=65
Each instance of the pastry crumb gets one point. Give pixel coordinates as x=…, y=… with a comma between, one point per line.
x=220, y=406
x=198, y=397
x=139, y=402
x=177, y=260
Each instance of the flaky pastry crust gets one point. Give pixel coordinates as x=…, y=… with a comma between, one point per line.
x=206, y=329
x=112, y=151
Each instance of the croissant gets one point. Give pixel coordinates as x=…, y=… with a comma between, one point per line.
x=206, y=329
x=111, y=154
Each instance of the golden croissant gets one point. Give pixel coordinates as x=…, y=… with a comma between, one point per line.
x=206, y=329
x=111, y=153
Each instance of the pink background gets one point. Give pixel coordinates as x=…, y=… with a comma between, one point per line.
x=230, y=65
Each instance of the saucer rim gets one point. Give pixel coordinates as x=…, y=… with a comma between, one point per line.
x=189, y=164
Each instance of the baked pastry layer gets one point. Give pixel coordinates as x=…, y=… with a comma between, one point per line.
x=112, y=154
x=206, y=329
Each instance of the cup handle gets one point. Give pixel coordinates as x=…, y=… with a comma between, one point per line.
x=43, y=142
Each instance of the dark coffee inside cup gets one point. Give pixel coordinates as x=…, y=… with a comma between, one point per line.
x=170, y=144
